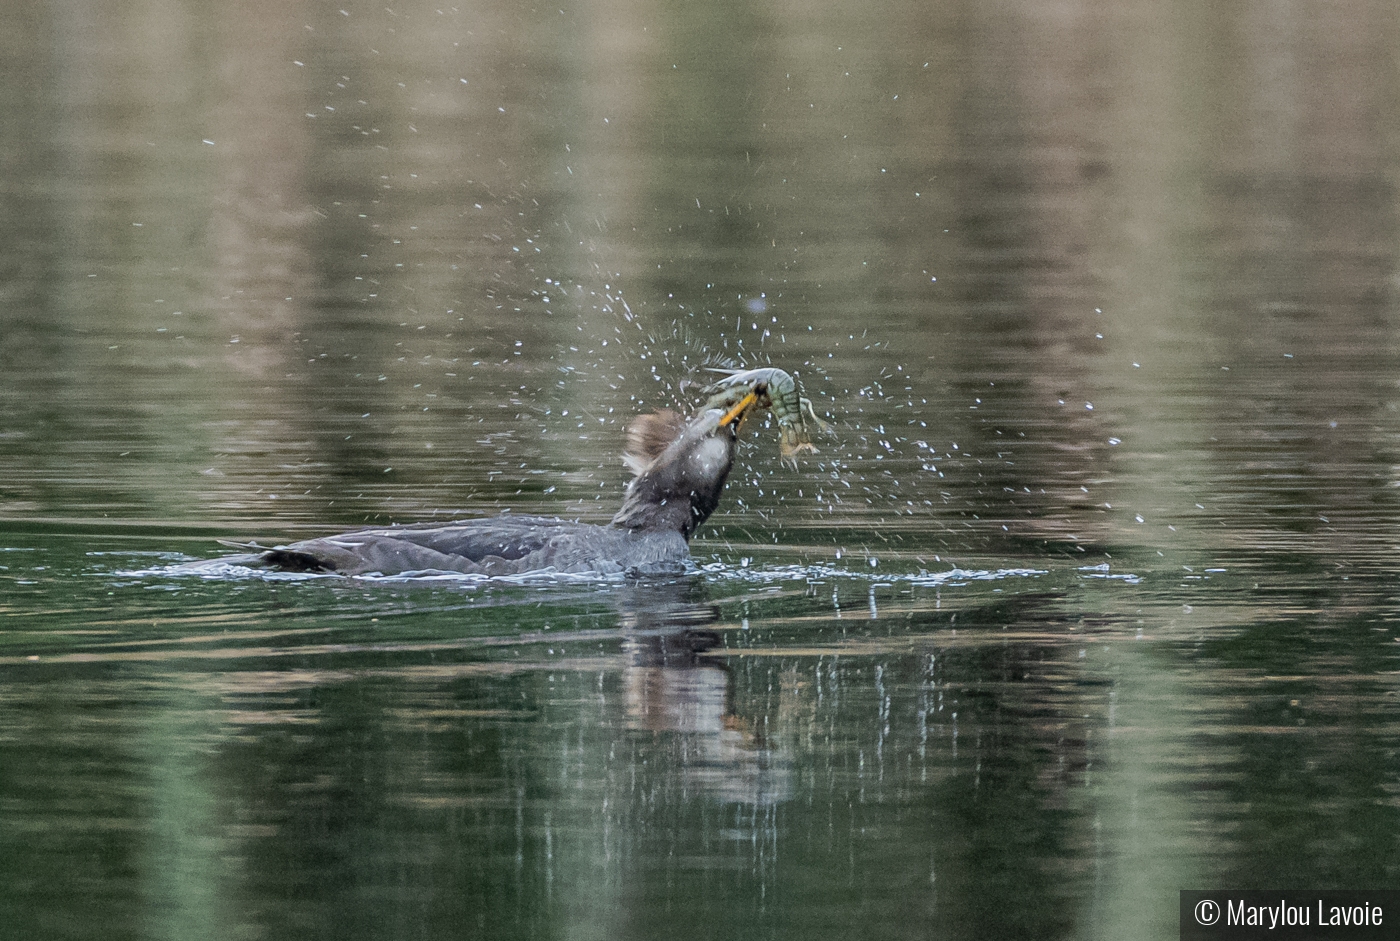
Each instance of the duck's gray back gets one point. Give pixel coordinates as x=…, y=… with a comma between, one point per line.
x=503, y=545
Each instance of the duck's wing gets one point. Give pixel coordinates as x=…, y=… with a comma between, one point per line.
x=501, y=537
x=500, y=545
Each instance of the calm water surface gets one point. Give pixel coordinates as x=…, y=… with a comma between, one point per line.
x=1091, y=596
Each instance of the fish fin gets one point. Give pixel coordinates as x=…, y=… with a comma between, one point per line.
x=811, y=412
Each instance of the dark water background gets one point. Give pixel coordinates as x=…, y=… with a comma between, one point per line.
x=1092, y=596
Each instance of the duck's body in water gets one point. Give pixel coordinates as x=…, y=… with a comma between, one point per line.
x=680, y=466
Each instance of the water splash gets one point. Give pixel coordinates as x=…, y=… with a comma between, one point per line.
x=1104, y=571
x=818, y=572
x=742, y=572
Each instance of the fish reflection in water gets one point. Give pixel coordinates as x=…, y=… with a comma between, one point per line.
x=671, y=687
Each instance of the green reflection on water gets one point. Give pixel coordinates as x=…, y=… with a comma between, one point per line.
x=1026, y=755
x=186, y=870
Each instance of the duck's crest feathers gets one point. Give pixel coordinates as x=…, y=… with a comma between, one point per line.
x=650, y=435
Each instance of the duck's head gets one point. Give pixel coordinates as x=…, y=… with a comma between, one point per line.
x=681, y=465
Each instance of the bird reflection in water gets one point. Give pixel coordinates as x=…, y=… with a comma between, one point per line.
x=673, y=688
